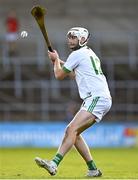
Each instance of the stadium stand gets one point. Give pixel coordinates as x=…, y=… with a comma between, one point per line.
x=28, y=89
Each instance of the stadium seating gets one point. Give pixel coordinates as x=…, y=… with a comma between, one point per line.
x=28, y=87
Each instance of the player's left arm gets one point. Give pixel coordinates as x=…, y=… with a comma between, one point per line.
x=59, y=70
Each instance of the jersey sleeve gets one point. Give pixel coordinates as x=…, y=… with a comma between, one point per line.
x=71, y=63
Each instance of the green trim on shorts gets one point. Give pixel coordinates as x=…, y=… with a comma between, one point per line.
x=93, y=104
x=65, y=69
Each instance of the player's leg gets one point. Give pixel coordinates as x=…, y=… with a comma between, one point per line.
x=98, y=107
x=83, y=148
x=84, y=151
x=94, y=109
x=81, y=121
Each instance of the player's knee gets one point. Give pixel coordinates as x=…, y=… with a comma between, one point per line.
x=70, y=130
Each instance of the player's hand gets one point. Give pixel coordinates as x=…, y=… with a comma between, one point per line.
x=62, y=62
x=53, y=55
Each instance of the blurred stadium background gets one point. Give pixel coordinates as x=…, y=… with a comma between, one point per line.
x=33, y=102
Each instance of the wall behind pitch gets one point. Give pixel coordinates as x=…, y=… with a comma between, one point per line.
x=50, y=135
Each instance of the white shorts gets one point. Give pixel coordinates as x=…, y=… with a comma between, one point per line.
x=98, y=106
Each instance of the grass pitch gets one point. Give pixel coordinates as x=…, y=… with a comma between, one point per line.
x=118, y=163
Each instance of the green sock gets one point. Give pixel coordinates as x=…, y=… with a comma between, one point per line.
x=91, y=165
x=57, y=159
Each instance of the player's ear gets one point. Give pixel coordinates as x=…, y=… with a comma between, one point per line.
x=82, y=40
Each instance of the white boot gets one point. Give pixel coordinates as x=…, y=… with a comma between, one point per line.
x=94, y=173
x=50, y=166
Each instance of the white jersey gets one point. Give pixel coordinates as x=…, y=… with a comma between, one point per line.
x=88, y=74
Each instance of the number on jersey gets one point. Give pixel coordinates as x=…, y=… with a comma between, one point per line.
x=96, y=65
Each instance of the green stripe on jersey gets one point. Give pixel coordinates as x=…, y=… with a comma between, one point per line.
x=93, y=104
x=65, y=69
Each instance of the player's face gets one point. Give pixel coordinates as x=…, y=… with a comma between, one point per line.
x=73, y=42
